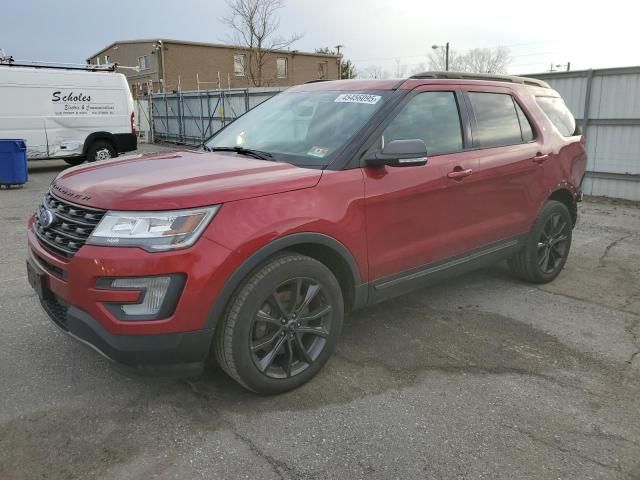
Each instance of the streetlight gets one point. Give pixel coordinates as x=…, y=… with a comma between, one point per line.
x=568, y=65
x=446, y=56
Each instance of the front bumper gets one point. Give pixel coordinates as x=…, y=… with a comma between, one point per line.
x=69, y=293
x=182, y=354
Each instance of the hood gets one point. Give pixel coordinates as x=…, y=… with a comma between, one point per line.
x=175, y=180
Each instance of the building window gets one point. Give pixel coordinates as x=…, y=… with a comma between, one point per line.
x=239, y=63
x=322, y=70
x=143, y=62
x=281, y=68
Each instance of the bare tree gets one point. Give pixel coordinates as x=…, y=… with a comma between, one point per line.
x=438, y=62
x=487, y=60
x=477, y=60
x=374, y=71
x=419, y=68
x=399, y=69
x=255, y=25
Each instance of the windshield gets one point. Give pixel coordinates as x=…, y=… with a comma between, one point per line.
x=303, y=128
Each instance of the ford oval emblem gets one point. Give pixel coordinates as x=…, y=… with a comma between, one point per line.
x=46, y=217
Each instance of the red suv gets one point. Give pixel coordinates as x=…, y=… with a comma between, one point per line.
x=326, y=198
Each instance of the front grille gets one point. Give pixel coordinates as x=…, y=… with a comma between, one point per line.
x=73, y=225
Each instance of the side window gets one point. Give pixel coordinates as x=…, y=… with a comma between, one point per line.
x=525, y=125
x=555, y=109
x=429, y=116
x=496, y=120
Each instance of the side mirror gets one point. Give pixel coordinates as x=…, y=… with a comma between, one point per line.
x=400, y=153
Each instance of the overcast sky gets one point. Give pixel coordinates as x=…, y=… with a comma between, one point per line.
x=374, y=32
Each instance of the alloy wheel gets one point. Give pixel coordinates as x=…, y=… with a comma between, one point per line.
x=290, y=330
x=553, y=244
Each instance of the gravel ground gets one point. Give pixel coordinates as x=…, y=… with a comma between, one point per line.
x=481, y=377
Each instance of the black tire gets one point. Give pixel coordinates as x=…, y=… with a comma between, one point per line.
x=74, y=161
x=547, y=245
x=243, y=336
x=101, y=150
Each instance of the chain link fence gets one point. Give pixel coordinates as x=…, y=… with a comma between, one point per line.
x=191, y=117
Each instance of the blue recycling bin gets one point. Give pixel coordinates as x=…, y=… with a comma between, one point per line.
x=13, y=162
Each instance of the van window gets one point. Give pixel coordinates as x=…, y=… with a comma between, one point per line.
x=496, y=120
x=558, y=113
x=432, y=117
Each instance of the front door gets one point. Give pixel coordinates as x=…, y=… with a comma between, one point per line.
x=419, y=215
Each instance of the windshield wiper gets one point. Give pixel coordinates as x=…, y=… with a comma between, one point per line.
x=242, y=151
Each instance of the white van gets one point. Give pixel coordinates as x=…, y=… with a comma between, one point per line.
x=75, y=114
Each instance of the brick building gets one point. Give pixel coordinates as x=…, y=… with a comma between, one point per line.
x=165, y=64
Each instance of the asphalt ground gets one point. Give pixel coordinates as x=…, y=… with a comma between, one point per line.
x=481, y=377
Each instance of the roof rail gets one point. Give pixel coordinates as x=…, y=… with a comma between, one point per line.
x=484, y=76
x=9, y=62
x=318, y=80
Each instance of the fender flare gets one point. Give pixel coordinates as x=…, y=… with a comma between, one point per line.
x=282, y=243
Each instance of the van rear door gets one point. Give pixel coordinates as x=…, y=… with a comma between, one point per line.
x=21, y=112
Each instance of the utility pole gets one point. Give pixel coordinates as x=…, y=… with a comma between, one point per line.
x=568, y=65
x=446, y=58
x=338, y=47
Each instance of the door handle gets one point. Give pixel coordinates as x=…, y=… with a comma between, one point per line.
x=459, y=174
x=541, y=158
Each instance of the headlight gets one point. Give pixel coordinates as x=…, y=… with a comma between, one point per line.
x=153, y=231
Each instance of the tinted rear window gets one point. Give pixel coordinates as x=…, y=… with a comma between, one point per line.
x=558, y=113
x=497, y=121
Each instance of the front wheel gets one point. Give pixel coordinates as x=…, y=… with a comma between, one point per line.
x=282, y=325
x=547, y=246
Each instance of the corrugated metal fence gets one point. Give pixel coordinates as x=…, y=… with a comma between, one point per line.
x=192, y=117
x=606, y=103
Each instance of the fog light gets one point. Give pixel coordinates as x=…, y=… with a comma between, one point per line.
x=154, y=291
x=159, y=296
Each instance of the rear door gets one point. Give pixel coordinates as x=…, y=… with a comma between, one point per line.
x=509, y=153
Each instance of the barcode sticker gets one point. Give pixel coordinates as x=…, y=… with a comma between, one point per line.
x=358, y=98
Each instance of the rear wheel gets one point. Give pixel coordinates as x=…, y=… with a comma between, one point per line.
x=282, y=325
x=101, y=150
x=74, y=161
x=547, y=246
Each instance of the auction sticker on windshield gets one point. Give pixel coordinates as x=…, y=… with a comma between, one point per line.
x=319, y=152
x=358, y=98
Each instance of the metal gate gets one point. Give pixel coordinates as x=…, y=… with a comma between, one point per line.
x=192, y=117
x=606, y=103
